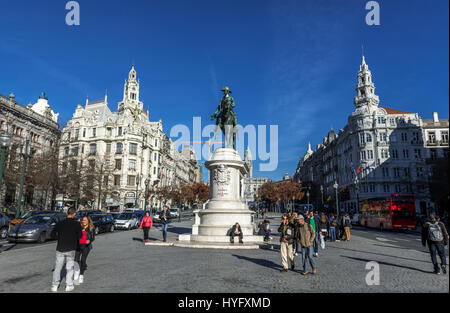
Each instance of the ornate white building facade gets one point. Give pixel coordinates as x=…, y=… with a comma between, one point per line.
x=387, y=145
x=251, y=184
x=130, y=147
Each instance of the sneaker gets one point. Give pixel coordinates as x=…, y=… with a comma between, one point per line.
x=292, y=266
x=69, y=288
x=296, y=254
x=76, y=274
x=305, y=273
x=81, y=279
x=54, y=288
x=240, y=241
x=444, y=269
x=314, y=271
x=76, y=282
x=284, y=270
x=316, y=254
x=437, y=273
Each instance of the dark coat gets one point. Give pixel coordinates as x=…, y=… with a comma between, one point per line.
x=425, y=236
x=287, y=232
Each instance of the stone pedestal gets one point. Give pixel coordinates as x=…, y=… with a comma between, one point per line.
x=225, y=207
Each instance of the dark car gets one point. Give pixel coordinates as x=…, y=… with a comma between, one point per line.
x=82, y=213
x=140, y=215
x=14, y=221
x=35, y=228
x=103, y=223
x=4, y=225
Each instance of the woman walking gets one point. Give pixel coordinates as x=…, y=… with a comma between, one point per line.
x=84, y=246
x=146, y=225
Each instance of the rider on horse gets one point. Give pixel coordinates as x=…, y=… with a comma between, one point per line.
x=225, y=115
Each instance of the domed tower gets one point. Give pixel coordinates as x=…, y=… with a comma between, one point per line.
x=365, y=90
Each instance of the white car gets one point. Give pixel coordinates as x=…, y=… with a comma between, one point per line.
x=126, y=220
x=174, y=212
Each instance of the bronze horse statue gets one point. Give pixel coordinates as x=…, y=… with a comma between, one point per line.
x=226, y=118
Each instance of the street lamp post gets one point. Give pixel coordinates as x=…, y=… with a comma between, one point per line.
x=307, y=197
x=321, y=194
x=25, y=154
x=137, y=186
x=357, y=195
x=5, y=142
x=337, y=201
x=147, y=181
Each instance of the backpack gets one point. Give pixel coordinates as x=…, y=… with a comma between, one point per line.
x=346, y=221
x=435, y=232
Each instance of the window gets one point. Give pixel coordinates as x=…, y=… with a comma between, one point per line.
x=419, y=171
x=406, y=171
x=131, y=180
x=132, y=165
x=66, y=151
x=156, y=142
x=119, y=131
x=119, y=147
x=105, y=181
x=392, y=121
x=405, y=153
x=154, y=156
x=363, y=155
x=384, y=153
x=108, y=148
x=154, y=170
x=383, y=137
x=369, y=154
x=94, y=132
x=77, y=133
x=396, y=172
x=433, y=154
x=368, y=138
x=398, y=188
x=394, y=154
x=109, y=131
x=75, y=150
x=404, y=137
x=116, y=180
x=444, y=136
x=386, y=188
x=431, y=137
x=361, y=138
x=416, y=136
x=381, y=120
x=118, y=164
x=133, y=148
x=92, y=149
x=385, y=172
x=371, y=187
x=84, y=132
x=417, y=153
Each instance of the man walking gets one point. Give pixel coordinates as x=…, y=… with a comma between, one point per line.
x=164, y=218
x=435, y=235
x=347, y=224
x=306, y=236
x=287, y=233
x=68, y=232
x=314, y=222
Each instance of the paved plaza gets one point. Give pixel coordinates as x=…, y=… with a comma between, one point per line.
x=120, y=262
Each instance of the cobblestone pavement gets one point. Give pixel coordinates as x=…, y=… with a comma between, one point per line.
x=120, y=262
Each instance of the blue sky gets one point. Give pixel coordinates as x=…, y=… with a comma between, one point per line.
x=291, y=63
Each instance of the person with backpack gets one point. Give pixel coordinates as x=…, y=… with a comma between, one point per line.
x=435, y=235
x=347, y=224
x=333, y=226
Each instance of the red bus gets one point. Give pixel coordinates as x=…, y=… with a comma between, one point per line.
x=396, y=212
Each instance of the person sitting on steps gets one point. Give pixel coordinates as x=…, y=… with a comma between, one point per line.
x=236, y=231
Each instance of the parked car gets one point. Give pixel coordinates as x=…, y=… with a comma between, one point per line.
x=174, y=212
x=103, y=223
x=155, y=216
x=356, y=219
x=115, y=215
x=26, y=215
x=126, y=220
x=4, y=225
x=38, y=228
x=82, y=213
x=139, y=215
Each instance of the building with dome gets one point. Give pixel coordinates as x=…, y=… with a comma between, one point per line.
x=115, y=153
x=381, y=151
x=39, y=124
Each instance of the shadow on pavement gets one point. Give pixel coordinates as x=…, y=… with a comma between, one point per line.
x=262, y=262
x=381, y=254
x=389, y=264
x=180, y=230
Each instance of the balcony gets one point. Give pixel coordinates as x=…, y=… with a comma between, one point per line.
x=444, y=143
x=432, y=143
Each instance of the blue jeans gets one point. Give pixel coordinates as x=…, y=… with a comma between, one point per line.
x=164, y=230
x=307, y=253
x=439, y=248
x=333, y=233
x=316, y=243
